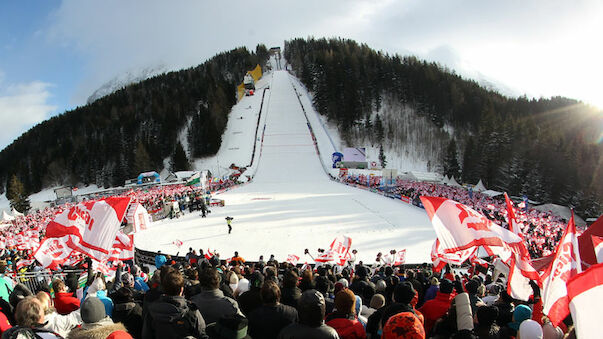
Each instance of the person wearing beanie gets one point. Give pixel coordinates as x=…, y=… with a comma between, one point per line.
x=472, y=288
x=127, y=311
x=96, y=323
x=404, y=293
x=403, y=325
x=530, y=329
x=435, y=308
x=362, y=286
x=311, y=310
x=486, y=326
x=520, y=314
x=344, y=319
x=290, y=292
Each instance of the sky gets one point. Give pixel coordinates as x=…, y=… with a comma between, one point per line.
x=54, y=54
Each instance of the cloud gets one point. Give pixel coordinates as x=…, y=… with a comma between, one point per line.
x=21, y=107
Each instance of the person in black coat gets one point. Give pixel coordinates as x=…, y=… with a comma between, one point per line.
x=290, y=293
x=252, y=299
x=269, y=319
x=127, y=312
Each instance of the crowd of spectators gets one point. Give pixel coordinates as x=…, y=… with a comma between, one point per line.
x=204, y=298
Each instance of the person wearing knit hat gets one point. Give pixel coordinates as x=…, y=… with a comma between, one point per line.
x=404, y=293
x=96, y=323
x=344, y=319
x=403, y=325
x=530, y=329
x=520, y=314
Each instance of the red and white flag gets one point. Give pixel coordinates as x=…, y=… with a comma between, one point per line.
x=598, y=246
x=459, y=227
x=566, y=264
x=209, y=254
x=138, y=216
x=24, y=262
x=440, y=259
x=177, y=243
x=400, y=258
x=54, y=251
x=337, y=251
x=293, y=259
x=513, y=226
x=583, y=291
x=123, y=247
x=94, y=225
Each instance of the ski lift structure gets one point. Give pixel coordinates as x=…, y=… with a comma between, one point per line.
x=249, y=84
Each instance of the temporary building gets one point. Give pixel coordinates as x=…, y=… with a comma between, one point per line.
x=480, y=186
x=453, y=183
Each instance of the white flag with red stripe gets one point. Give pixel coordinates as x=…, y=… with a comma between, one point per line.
x=293, y=259
x=583, y=291
x=555, y=301
x=24, y=262
x=440, y=259
x=513, y=226
x=94, y=225
x=54, y=251
x=177, y=243
x=123, y=247
x=338, y=250
x=138, y=216
x=400, y=257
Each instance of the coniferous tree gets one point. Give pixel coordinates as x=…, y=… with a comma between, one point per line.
x=451, y=163
x=17, y=195
x=382, y=159
x=179, y=159
x=142, y=160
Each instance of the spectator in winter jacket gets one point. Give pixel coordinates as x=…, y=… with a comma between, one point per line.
x=434, y=309
x=64, y=302
x=344, y=319
x=290, y=292
x=361, y=286
x=404, y=293
x=472, y=287
x=311, y=308
x=55, y=322
x=252, y=299
x=127, y=311
x=486, y=327
x=211, y=302
x=160, y=260
x=29, y=315
x=269, y=319
x=172, y=316
x=432, y=290
x=96, y=323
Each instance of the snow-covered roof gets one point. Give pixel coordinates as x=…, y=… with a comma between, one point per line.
x=423, y=176
x=491, y=193
x=480, y=186
x=562, y=211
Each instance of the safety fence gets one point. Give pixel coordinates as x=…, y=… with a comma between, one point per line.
x=37, y=280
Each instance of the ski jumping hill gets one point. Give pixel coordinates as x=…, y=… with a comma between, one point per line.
x=291, y=203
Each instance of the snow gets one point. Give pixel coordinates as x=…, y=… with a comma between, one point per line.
x=291, y=204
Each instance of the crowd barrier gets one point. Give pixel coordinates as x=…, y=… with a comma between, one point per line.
x=35, y=280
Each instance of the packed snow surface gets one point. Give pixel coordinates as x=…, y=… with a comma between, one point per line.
x=291, y=204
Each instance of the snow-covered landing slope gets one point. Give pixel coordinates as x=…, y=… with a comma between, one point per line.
x=291, y=204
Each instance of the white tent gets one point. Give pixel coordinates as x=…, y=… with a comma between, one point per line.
x=423, y=176
x=16, y=213
x=445, y=181
x=480, y=186
x=491, y=193
x=7, y=217
x=562, y=211
x=453, y=183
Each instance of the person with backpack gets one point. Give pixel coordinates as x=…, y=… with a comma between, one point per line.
x=172, y=316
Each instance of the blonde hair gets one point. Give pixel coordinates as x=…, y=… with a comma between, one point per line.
x=46, y=302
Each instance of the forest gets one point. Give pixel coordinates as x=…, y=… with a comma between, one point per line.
x=133, y=129
x=548, y=149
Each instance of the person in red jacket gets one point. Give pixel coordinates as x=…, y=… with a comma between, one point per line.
x=64, y=302
x=344, y=319
x=435, y=308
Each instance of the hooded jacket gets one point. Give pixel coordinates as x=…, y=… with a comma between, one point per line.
x=130, y=314
x=65, y=303
x=173, y=317
x=99, y=330
x=213, y=305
